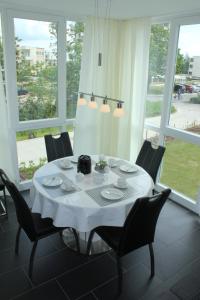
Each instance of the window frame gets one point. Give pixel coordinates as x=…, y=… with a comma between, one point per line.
x=61, y=120
x=164, y=129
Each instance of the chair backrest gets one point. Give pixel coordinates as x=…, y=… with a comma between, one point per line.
x=149, y=158
x=23, y=212
x=139, y=227
x=58, y=147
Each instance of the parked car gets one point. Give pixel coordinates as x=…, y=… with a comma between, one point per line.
x=188, y=88
x=21, y=91
x=179, y=88
x=195, y=88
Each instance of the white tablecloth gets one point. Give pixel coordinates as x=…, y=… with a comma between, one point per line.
x=79, y=210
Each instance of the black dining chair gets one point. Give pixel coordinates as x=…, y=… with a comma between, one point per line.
x=58, y=147
x=33, y=224
x=138, y=230
x=3, y=203
x=149, y=158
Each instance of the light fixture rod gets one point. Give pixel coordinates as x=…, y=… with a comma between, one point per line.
x=102, y=97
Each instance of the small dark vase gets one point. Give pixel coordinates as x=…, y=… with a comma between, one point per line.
x=84, y=164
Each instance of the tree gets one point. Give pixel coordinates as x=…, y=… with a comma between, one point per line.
x=158, y=52
x=75, y=32
x=158, y=49
x=182, y=63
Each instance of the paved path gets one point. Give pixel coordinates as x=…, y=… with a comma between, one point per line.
x=186, y=114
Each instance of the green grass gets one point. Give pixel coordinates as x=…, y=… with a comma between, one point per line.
x=25, y=135
x=27, y=171
x=153, y=108
x=181, y=167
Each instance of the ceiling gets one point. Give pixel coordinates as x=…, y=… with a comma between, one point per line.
x=122, y=9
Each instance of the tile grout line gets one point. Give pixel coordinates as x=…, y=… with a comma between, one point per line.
x=32, y=285
x=64, y=292
x=94, y=295
x=77, y=267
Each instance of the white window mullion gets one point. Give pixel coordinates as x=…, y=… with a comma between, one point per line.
x=11, y=90
x=169, y=77
x=62, y=70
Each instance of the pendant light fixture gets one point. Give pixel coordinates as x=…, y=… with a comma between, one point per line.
x=100, y=44
x=105, y=108
x=119, y=111
x=92, y=103
x=81, y=100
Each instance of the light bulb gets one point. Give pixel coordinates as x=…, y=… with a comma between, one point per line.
x=105, y=108
x=81, y=100
x=92, y=103
x=119, y=111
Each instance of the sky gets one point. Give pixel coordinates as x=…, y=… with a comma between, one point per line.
x=189, y=40
x=36, y=34
x=33, y=33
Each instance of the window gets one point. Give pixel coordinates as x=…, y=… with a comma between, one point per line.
x=186, y=115
x=36, y=76
x=74, y=51
x=47, y=55
x=181, y=167
x=31, y=149
x=157, y=67
x=176, y=123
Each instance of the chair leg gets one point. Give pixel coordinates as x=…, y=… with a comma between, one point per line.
x=5, y=201
x=120, y=274
x=17, y=240
x=152, y=260
x=32, y=259
x=90, y=242
x=77, y=240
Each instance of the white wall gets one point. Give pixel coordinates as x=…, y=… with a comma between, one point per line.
x=119, y=9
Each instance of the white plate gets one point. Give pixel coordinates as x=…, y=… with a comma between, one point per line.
x=128, y=168
x=67, y=189
x=52, y=181
x=119, y=186
x=65, y=165
x=112, y=194
x=74, y=159
x=112, y=165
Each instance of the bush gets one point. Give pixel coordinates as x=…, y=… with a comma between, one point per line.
x=156, y=89
x=195, y=100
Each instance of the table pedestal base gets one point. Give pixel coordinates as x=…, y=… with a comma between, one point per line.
x=98, y=245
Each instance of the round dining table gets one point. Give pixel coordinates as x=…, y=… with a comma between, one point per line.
x=86, y=205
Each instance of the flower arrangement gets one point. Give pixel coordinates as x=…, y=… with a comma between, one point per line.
x=101, y=165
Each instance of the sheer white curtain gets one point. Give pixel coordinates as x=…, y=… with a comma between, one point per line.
x=124, y=46
x=6, y=155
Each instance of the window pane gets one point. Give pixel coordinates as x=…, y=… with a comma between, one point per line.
x=186, y=94
x=74, y=51
x=157, y=67
x=2, y=60
x=36, y=66
x=151, y=136
x=181, y=165
x=32, y=151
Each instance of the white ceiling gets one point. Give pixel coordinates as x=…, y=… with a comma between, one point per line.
x=122, y=9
